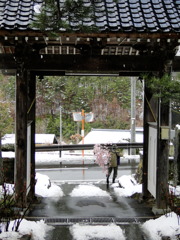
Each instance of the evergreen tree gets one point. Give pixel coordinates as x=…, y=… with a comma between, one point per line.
x=166, y=88
x=69, y=15
x=5, y=124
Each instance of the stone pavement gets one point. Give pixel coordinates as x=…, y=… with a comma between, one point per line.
x=103, y=210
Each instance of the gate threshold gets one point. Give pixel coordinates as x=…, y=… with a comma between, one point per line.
x=65, y=221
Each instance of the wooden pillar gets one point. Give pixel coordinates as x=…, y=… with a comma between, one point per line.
x=163, y=142
x=21, y=134
x=31, y=122
x=25, y=115
x=162, y=155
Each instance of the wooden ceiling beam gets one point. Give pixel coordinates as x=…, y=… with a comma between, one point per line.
x=145, y=35
x=88, y=64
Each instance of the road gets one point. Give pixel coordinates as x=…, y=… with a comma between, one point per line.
x=79, y=173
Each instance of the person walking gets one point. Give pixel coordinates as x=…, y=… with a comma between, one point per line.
x=114, y=161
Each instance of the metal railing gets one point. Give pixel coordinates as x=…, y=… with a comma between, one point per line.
x=58, y=147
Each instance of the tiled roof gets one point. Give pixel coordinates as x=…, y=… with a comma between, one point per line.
x=111, y=15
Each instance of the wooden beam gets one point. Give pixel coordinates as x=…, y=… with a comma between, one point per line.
x=80, y=63
x=38, y=34
x=56, y=64
x=92, y=64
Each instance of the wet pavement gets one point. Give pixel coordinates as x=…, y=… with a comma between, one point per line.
x=106, y=206
x=90, y=207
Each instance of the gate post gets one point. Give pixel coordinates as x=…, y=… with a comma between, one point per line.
x=21, y=135
x=162, y=155
x=24, y=93
x=162, y=190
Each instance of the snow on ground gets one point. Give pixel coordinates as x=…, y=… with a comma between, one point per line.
x=166, y=225
x=66, y=157
x=45, y=188
x=85, y=232
x=175, y=190
x=53, y=158
x=88, y=191
x=37, y=230
x=129, y=186
x=153, y=229
x=9, y=189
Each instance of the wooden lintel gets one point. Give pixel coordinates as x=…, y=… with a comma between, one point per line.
x=79, y=63
x=151, y=35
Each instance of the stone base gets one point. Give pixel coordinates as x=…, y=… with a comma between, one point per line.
x=159, y=211
x=26, y=237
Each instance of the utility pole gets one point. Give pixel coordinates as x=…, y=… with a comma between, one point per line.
x=60, y=124
x=133, y=113
x=82, y=131
x=60, y=127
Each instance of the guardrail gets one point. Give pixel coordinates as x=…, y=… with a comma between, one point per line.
x=58, y=147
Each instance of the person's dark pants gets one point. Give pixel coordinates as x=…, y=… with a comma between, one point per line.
x=115, y=170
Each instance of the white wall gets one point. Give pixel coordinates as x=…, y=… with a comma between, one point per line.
x=152, y=160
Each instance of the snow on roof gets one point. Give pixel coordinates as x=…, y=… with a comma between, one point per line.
x=98, y=136
x=39, y=139
x=45, y=138
x=8, y=139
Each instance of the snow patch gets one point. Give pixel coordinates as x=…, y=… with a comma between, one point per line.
x=88, y=191
x=82, y=232
x=129, y=186
x=45, y=188
x=37, y=230
x=166, y=225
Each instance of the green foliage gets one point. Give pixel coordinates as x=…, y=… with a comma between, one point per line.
x=168, y=90
x=52, y=125
x=6, y=121
x=7, y=98
x=107, y=97
x=77, y=93
x=9, y=209
x=8, y=87
x=109, y=123
x=55, y=16
x=69, y=127
x=7, y=205
x=5, y=118
x=165, y=88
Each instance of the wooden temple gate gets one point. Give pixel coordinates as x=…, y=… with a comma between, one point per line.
x=28, y=54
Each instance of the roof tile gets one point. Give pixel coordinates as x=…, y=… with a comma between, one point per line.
x=120, y=15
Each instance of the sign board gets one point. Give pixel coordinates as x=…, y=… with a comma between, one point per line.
x=152, y=160
x=28, y=164
x=77, y=117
